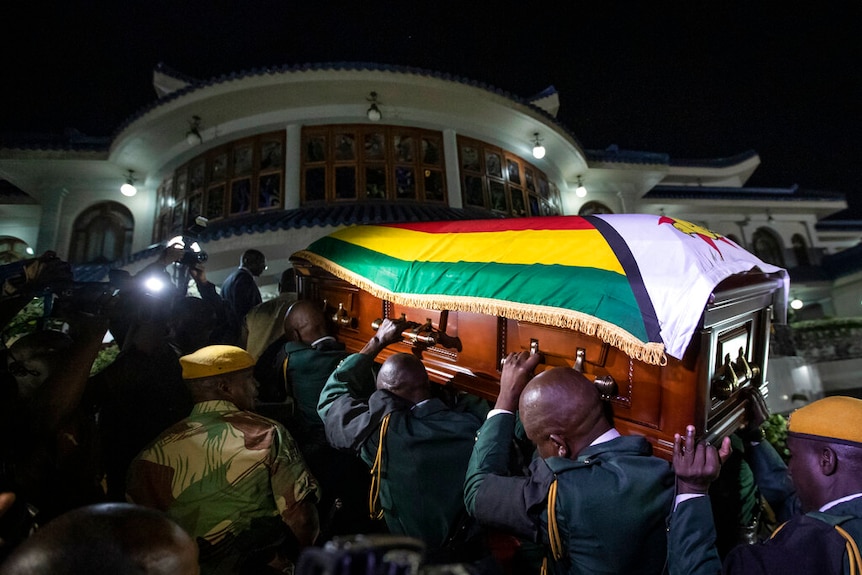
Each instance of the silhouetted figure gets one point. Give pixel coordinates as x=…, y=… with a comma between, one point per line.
x=239, y=290
x=106, y=538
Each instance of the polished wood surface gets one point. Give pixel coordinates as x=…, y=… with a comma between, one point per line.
x=465, y=350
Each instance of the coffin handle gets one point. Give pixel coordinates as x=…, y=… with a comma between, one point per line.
x=580, y=358
x=607, y=386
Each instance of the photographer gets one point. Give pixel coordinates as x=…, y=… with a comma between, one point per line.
x=42, y=388
x=142, y=393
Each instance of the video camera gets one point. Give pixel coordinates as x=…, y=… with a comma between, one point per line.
x=121, y=294
x=191, y=256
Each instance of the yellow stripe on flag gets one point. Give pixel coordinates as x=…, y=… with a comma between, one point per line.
x=581, y=248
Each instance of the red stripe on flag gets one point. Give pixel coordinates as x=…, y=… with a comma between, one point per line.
x=501, y=225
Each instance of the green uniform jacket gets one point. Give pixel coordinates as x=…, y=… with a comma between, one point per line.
x=807, y=544
x=612, y=501
x=308, y=369
x=426, y=448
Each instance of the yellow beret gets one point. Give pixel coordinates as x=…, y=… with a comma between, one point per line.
x=837, y=417
x=215, y=360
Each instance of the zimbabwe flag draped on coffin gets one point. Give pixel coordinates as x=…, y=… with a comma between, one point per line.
x=637, y=282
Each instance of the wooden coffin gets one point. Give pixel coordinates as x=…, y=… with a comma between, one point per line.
x=656, y=399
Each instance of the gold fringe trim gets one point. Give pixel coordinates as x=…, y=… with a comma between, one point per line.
x=649, y=353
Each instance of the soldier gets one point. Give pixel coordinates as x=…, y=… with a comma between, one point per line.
x=596, y=498
x=825, y=443
x=233, y=479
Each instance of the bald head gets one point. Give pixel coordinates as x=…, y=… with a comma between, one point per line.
x=562, y=412
x=404, y=375
x=106, y=538
x=305, y=322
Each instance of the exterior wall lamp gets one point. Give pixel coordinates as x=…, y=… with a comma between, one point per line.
x=580, y=191
x=128, y=189
x=538, y=148
x=373, y=112
x=193, y=136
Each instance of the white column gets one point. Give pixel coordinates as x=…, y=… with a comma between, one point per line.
x=52, y=208
x=292, y=166
x=452, y=168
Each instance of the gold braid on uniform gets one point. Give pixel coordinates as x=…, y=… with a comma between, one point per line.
x=374, y=508
x=852, y=551
x=553, y=529
x=853, y=556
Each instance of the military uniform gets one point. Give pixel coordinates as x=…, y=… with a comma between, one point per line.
x=426, y=447
x=611, y=502
x=819, y=542
x=219, y=470
x=308, y=369
x=806, y=544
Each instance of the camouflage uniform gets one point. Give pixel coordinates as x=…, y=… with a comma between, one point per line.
x=219, y=469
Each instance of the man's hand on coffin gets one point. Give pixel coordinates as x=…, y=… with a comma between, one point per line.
x=756, y=412
x=697, y=464
x=517, y=373
x=389, y=332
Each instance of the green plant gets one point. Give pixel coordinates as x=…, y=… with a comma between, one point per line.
x=775, y=432
x=106, y=356
x=25, y=321
x=32, y=318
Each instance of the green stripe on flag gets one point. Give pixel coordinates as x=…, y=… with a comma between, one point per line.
x=602, y=294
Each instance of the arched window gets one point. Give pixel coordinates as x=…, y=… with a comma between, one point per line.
x=593, y=207
x=735, y=238
x=13, y=249
x=102, y=233
x=767, y=246
x=800, y=250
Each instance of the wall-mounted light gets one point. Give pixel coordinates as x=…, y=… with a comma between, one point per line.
x=373, y=112
x=538, y=148
x=193, y=136
x=580, y=191
x=128, y=189
x=796, y=303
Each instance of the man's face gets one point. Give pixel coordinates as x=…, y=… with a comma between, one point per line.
x=243, y=389
x=804, y=470
x=257, y=266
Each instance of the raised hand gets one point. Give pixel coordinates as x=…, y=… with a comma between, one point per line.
x=517, y=372
x=697, y=464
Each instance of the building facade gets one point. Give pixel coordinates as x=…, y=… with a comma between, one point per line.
x=275, y=158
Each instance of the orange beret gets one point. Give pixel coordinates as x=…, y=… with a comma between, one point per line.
x=215, y=360
x=837, y=418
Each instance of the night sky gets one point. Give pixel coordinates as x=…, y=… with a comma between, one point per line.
x=695, y=80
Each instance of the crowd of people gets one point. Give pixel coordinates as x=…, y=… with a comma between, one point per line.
x=232, y=435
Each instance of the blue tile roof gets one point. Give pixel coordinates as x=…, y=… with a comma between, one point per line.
x=338, y=215
x=716, y=162
x=614, y=154
x=794, y=193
